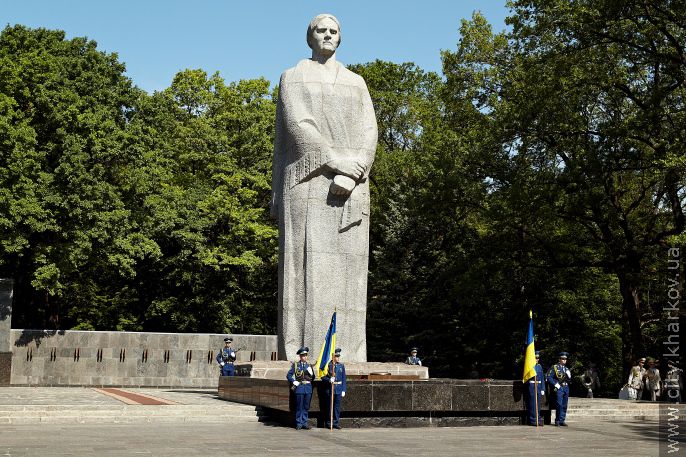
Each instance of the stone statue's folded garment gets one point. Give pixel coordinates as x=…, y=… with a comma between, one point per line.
x=323, y=238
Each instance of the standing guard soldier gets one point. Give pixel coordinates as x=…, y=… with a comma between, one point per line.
x=337, y=381
x=301, y=376
x=413, y=359
x=536, y=391
x=559, y=377
x=226, y=358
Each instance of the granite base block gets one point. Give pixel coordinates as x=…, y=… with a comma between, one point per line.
x=373, y=403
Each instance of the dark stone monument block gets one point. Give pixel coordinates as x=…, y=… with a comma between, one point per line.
x=388, y=396
x=376, y=403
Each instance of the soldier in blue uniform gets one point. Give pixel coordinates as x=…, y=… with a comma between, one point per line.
x=337, y=381
x=413, y=359
x=535, y=393
x=301, y=376
x=226, y=357
x=559, y=378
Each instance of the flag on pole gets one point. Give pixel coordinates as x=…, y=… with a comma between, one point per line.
x=328, y=348
x=530, y=357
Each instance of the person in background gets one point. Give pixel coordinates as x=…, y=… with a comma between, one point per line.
x=635, y=382
x=653, y=382
x=591, y=380
x=412, y=359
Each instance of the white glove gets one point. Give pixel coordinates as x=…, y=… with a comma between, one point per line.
x=221, y=364
x=543, y=392
x=233, y=354
x=332, y=379
x=309, y=370
x=343, y=394
x=569, y=373
x=557, y=385
x=296, y=383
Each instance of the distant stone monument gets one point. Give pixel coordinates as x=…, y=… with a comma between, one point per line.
x=325, y=143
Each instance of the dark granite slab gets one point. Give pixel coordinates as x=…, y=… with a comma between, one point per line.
x=433, y=402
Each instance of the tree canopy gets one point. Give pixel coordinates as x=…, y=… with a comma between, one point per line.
x=543, y=169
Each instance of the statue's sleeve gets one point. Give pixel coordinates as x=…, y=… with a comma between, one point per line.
x=370, y=130
x=299, y=127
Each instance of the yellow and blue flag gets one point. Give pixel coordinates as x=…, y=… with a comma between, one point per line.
x=530, y=357
x=328, y=348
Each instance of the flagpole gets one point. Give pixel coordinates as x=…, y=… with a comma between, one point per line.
x=536, y=398
x=333, y=386
x=333, y=367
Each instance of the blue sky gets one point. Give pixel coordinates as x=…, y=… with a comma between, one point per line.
x=245, y=39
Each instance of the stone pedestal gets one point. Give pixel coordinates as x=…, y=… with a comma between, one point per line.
x=357, y=370
x=379, y=403
x=6, y=287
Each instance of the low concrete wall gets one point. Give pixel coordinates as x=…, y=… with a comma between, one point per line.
x=85, y=358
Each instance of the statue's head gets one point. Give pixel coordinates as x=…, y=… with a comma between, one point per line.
x=324, y=34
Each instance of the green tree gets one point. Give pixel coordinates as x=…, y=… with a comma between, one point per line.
x=586, y=100
x=64, y=108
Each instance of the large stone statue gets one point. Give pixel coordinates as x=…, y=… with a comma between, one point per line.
x=325, y=142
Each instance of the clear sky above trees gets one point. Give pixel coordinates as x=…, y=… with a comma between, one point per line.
x=244, y=40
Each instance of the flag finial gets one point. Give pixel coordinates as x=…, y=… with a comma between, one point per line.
x=531, y=314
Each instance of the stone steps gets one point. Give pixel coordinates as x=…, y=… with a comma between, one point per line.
x=127, y=414
x=611, y=410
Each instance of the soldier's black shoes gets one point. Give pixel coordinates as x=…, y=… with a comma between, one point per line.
x=337, y=427
x=562, y=424
x=307, y=427
x=298, y=427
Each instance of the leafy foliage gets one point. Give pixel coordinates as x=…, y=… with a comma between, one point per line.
x=543, y=170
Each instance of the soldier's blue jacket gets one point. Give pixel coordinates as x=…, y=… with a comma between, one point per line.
x=540, y=377
x=339, y=383
x=304, y=374
x=559, y=374
x=226, y=355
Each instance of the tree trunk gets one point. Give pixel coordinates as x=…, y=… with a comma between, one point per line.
x=632, y=339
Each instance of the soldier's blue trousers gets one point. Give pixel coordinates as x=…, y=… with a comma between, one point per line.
x=302, y=409
x=336, y=409
x=561, y=397
x=227, y=369
x=531, y=403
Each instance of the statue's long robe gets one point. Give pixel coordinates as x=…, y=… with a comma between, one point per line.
x=323, y=238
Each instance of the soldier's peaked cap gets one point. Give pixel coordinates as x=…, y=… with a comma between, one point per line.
x=413, y=350
x=303, y=350
x=228, y=340
x=337, y=351
x=564, y=355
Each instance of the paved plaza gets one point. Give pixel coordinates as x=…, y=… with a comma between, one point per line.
x=63, y=421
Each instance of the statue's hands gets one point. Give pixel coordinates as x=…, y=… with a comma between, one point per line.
x=342, y=185
x=351, y=168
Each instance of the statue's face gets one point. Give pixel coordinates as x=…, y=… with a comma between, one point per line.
x=325, y=37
